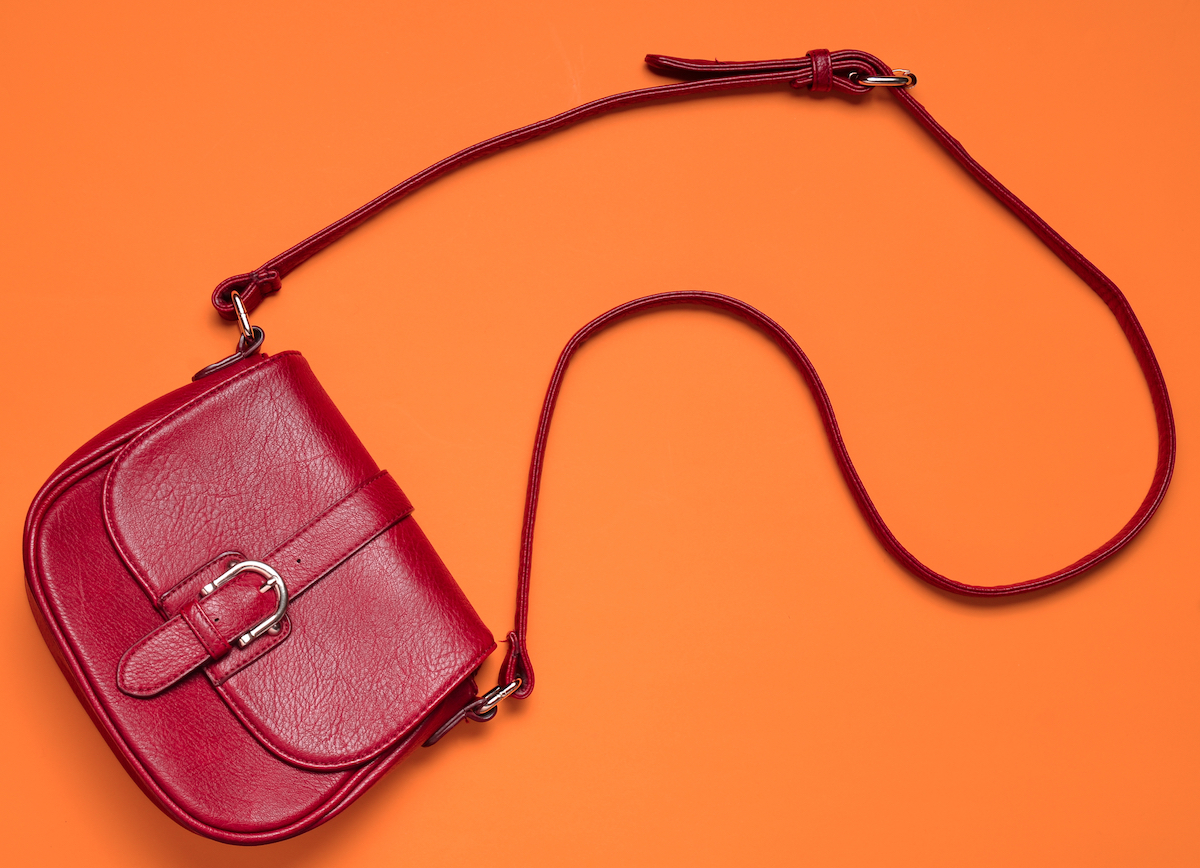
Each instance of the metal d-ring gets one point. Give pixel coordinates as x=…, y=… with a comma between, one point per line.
x=902, y=78
x=273, y=581
x=250, y=347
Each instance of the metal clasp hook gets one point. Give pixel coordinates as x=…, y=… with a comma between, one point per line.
x=250, y=339
x=243, y=319
x=496, y=695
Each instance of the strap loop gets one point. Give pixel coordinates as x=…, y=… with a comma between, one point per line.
x=822, y=71
x=251, y=288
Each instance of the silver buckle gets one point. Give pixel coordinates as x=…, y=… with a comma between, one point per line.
x=273, y=581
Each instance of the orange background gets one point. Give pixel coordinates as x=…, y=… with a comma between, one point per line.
x=730, y=670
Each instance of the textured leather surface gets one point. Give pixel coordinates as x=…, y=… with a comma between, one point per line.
x=206, y=626
x=188, y=747
x=164, y=656
x=265, y=464
x=242, y=467
x=395, y=659
x=822, y=70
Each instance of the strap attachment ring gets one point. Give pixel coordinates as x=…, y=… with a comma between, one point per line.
x=902, y=78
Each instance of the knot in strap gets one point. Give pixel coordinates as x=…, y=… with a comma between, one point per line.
x=820, y=70
x=824, y=71
x=251, y=287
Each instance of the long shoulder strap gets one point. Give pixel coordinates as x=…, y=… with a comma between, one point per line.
x=819, y=70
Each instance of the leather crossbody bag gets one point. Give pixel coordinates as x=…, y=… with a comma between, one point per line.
x=260, y=633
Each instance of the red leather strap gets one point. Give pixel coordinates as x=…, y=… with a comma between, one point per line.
x=819, y=70
x=202, y=631
x=516, y=662
x=255, y=285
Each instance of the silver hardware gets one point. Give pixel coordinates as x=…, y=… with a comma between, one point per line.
x=494, y=696
x=274, y=581
x=902, y=78
x=244, y=350
x=243, y=320
x=250, y=347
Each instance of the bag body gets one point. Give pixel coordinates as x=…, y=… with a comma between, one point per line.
x=376, y=646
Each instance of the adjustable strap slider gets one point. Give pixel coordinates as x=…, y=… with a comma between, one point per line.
x=820, y=70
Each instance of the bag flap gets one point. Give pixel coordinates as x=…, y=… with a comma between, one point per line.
x=253, y=469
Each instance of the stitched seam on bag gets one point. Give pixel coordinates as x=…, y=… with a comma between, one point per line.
x=52, y=491
x=361, y=756
x=255, y=657
x=127, y=747
x=337, y=503
x=97, y=707
x=241, y=556
x=355, y=490
x=157, y=686
x=260, y=650
x=162, y=601
x=391, y=522
x=217, y=682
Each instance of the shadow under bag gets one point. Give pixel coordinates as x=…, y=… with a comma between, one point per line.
x=242, y=599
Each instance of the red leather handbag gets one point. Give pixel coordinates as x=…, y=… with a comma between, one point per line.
x=242, y=599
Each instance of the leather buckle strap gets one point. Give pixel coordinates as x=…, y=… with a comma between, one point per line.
x=206, y=629
x=226, y=614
